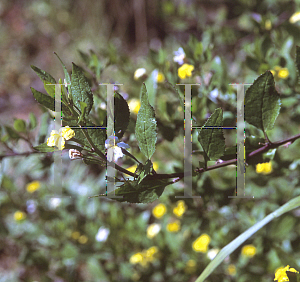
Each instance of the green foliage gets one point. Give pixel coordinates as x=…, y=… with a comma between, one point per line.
x=211, y=136
x=262, y=102
x=145, y=129
x=80, y=89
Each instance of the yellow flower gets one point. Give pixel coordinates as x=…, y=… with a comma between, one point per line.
x=185, y=71
x=132, y=168
x=280, y=273
x=58, y=138
x=174, y=226
x=33, y=186
x=249, y=251
x=134, y=105
x=151, y=252
x=153, y=230
x=201, y=243
x=179, y=210
x=136, y=258
x=155, y=166
x=75, y=235
x=283, y=73
x=279, y=72
x=264, y=168
x=160, y=77
x=268, y=24
x=231, y=269
x=190, y=266
x=159, y=210
x=18, y=216
x=295, y=17
x=82, y=239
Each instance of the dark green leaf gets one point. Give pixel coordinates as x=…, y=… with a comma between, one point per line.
x=262, y=102
x=80, y=89
x=11, y=132
x=145, y=192
x=211, y=135
x=121, y=115
x=146, y=170
x=44, y=148
x=46, y=100
x=145, y=128
x=43, y=75
x=20, y=125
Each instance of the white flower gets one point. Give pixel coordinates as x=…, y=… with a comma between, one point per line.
x=102, y=234
x=65, y=83
x=74, y=154
x=113, y=150
x=212, y=253
x=54, y=202
x=31, y=206
x=179, y=56
x=139, y=73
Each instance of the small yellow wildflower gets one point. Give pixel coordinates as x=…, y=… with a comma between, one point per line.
x=132, y=168
x=136, y=258
x=82, y=239
x=179, y=210
x=18, y=216
x=295, y=17
x=185, y=71
x=149, y=254
x=231, y=269
x=33, y=186
x=134, y=105
x=160, y=77
x=155, y=166
x=264, y=168
x=159, y=210
x=174, y=226
x=280, y=273
x=190, y=266
x=201, y=243
x=75, y=235
x=58, y=138
x=153, y=230
x=248, y=251
x=283, y=73
x=268, y=24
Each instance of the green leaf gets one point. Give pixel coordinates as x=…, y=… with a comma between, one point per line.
x=121, y=115
x=80, y=89
x=43, y=75
x=145, y=192
x=20, y=125
x=33, y=121
x=145, y=171
x=83, y=111
x=46, y=79
x=11, y=132
x=151, y=85
x=67, y=76
x=44, y=148
x=145, y=128
x=262, y=102
x=211, y=135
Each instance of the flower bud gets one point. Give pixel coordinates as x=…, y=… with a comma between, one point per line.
x=75, y=154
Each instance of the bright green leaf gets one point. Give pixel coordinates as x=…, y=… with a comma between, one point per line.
x=145, y=128
x=33, y=121
x=80, y=89
x=262, y=102
x=43, y=75
x=20, y=125
x=211, y=135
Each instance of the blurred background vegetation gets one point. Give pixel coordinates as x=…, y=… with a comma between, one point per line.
x=44, y=237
